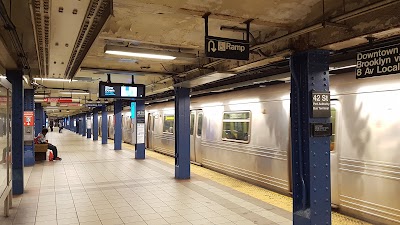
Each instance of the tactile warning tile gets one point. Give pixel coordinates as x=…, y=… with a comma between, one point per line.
x=275, y=199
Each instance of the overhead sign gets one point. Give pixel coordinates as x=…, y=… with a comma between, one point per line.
x=119, y=90
x=321, y=104
x=93, y=105
x=29, y=118
x=58, y=100
x=225, y=48
x=321, y=129
x=378, y=62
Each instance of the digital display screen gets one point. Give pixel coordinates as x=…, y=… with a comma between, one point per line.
x=127, y=91
x=119, y=90
x=109, y=91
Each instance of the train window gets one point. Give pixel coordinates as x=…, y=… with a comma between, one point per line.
x=192, y=117
x=333, y=121
x=199, y=124
x=169, y=121
x=236, y=126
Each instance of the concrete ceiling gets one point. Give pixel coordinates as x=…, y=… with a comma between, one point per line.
x=279, y=27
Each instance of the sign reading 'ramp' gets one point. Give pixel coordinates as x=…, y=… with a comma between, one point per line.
x=225, y=48
x=378, y=62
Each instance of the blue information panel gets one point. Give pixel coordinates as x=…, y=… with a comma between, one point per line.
x=133, y=110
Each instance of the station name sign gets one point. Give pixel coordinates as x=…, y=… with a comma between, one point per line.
x=225, y=48
x=378, y=62
x=321, y=104
x=120, y=90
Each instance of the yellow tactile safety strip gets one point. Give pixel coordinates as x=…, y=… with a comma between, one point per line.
x=270, y=197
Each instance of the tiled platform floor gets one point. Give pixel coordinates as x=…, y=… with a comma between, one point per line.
x=94, y=184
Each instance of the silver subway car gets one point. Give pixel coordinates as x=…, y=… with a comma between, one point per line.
x=246, y=134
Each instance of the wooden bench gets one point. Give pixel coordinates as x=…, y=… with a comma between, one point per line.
x=40, y=151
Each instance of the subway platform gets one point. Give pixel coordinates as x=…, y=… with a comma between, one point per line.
x=95, y=184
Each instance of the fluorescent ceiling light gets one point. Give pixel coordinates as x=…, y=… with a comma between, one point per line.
x=146, y=53
x=54, y=79
x=141, y=55
x=73, y=93
x=25, y=79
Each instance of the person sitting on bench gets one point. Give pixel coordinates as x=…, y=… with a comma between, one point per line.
x=41, y=139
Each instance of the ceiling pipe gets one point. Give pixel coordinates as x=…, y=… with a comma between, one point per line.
x=16, y=42
x=36, y=39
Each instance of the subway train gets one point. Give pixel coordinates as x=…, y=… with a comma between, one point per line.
x=246, y=134
x=127, y=126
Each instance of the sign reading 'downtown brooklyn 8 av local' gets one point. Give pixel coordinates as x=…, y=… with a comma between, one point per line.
x=378, y=62
x=225, y=48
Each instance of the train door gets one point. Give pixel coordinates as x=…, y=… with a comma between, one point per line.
x=123, y=128
x=128, y=124
x=196, y=125
x=335, y=109
x=150, y=130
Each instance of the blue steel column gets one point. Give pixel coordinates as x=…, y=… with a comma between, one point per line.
x=139, y=148
x=88, y=128
x=310, y=155
x=84, y=124
x=182, y=132
x=29, y=105
x=17, y=143
x=118, y=125
x=38, y=118
x=104, y=129
x=95, y=124
x=77, y=125
x=80, y=124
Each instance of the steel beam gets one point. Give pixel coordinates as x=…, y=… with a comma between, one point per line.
x=310, y=155
x=38, y=118
x=95, y=124
x=104, y=129
x=118, y=125
x=84, y=125
x=182, y=133
x=17, y=143
x=140, y=124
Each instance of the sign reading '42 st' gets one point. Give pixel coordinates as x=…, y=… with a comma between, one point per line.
x=225, y=48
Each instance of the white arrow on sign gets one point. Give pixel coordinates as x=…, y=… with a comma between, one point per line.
x=213, y=46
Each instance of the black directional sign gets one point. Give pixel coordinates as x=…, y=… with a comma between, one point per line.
x=140, y=116
x=225, y=48
x=321, y=104
x=92, y=105
x=321, y=129
x=378, y=62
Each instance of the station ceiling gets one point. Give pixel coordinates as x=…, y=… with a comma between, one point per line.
x=54, y=33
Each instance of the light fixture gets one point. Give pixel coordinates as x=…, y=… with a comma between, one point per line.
x=53, y=79
x=73, y=93
x=2, y=76
x=146, y=53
